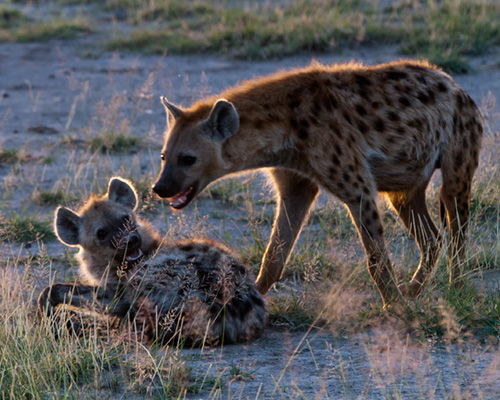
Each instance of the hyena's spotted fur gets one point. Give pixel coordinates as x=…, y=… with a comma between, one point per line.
x=351, y=129
x=197, y=290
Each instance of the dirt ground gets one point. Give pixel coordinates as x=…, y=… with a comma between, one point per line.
x=54, y=90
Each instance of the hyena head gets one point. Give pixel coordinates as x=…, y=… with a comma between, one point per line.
x=110, y=236
x=192, y=154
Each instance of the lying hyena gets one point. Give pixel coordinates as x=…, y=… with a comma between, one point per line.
x=194, y=289
x=351, y=129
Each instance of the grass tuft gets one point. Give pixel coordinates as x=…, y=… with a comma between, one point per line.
x=113, y=142
x=24, y=229
x=9, y=156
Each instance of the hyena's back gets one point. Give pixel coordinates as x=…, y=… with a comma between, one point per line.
x=205, y=291
x=392, y=124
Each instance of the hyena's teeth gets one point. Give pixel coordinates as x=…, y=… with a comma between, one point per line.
x=181, y=198
x=135, y=255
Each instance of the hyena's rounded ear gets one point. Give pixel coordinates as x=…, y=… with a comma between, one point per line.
x=173, y=112
x=67, y=226
x=122, y=192
x=224, y=120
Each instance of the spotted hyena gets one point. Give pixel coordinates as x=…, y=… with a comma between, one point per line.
x=194, y=289
x=355, y=131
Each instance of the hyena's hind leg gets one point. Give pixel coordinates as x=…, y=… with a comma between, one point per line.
x=455, y=195
x=458, y=165
x=82, y=298
x=412, y=210
x=364, y=213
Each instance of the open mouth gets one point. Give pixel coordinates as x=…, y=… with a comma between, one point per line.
x=183, y=198
x=134, y=255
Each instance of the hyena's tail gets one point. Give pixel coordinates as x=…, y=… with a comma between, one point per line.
x=442, y=214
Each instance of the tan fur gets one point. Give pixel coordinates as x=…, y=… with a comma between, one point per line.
x=353, y=130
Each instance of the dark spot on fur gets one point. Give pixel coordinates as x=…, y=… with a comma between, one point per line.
x=362, y=80
x=256, y=300
x=442, y=87
x=360, y=109
x=238, y=308
x=346, y=177
x=313, y=120
x=458, y=159
x=347, y=117
x=388, y=101
x=333, y=100
x=340, y=186
x=362, y=93
x=338, y=149
x=314, y=87
x=422, y=79
x=333, y=171
x=303, y=127
x=376, y=105
x=428, y=98
x=363, y=128
x=392, y=116
x=404, y=101
x=335, y=160
x=396, y=75
x=186, y=247
x=379, y=125
x=294, y=103
x=258, y=124
x=316, y=108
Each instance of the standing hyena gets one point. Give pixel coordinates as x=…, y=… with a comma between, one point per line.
x=351, y=129
x=194, y=289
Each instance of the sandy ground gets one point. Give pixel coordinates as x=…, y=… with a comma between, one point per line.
x=60, y=89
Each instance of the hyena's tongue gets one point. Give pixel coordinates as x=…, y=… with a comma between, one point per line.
x=181, y=198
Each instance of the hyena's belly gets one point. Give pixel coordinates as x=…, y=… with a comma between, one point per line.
x=403, y=171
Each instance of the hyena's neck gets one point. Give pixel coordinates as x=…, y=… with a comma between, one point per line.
x=95, y=270
x=149, y=236
x=262, y=140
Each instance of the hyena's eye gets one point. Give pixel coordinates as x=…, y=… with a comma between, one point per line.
x=186, y=161
x=162, y=156
x=101, y=234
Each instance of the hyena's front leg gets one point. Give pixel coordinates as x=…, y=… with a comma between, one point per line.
x=295, y=197
x=82, y=297
x=365, y=215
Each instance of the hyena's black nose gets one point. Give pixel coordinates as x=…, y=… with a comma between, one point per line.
x=160, y=190
x=134, y=240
